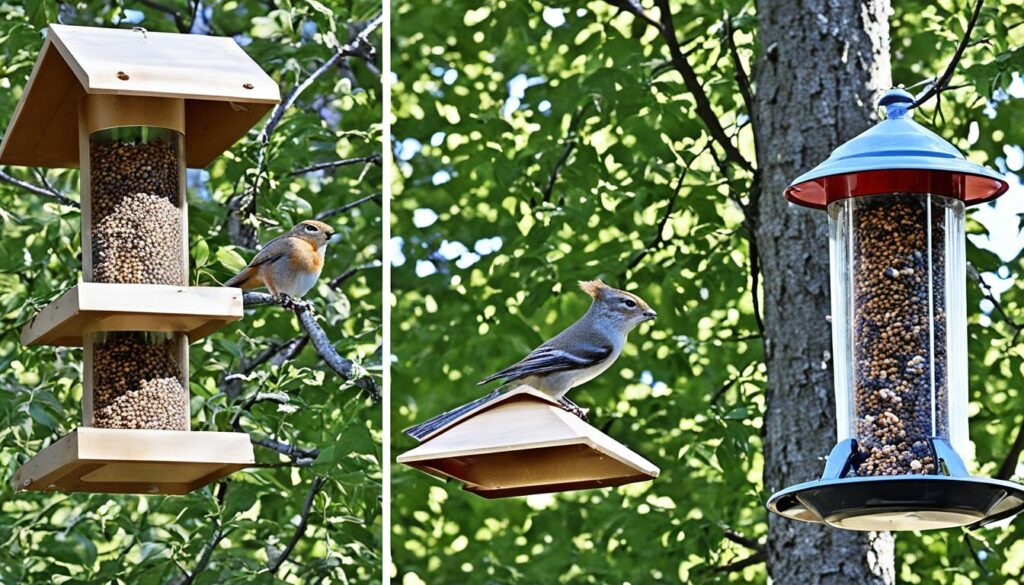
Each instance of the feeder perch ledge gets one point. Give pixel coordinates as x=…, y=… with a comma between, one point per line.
x=118, y=461
x=524, y=443
x=94, y=306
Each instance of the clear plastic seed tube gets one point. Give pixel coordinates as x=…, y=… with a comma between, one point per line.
x=136, y=194
x=899, y=328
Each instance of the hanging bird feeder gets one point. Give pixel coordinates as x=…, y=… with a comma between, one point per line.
x=895, y=196
x=523, y=442
x=132, y=109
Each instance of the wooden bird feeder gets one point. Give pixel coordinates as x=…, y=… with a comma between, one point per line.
x=132, y=109
x=524, y=443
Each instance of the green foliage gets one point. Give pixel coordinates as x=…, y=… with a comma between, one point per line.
x=230, y=531
x=487, y=110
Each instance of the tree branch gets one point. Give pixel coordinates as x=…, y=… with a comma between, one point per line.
x=342, y=366
x=298, y=454
x=754, y=559
x=204, y=558
x=571, y=141
x=338, y=280
x=244, y=204
x=742, y=80
x=300, y=530
x=48, y=193
x=940, y=85
x=659, y=236
x=704, y=110
x=743, y=540
x=372, y=159
x=329, y=213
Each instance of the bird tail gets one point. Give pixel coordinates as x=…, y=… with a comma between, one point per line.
x=426, y=428
x=244, y=279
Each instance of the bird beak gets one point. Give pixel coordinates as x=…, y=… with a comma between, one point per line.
x=650, y=314
x=334, y=238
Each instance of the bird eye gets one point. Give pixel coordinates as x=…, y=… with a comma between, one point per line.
x=629, y=303
x=311, y=228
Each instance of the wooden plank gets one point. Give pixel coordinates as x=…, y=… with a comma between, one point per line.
x=117, y=111
x=121, y=61
x=88, y=387
x=130, y=461
x=85, y=189
x=93, y=306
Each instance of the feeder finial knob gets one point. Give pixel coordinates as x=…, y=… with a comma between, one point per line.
x=897, y=102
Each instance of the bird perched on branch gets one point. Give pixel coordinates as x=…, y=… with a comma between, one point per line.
x=289, y=265
x=575, y=356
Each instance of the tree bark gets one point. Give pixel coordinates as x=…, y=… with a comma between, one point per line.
x=822, y=66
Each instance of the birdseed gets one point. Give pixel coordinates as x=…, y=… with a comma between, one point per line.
x=136, y=222
x=137, y=384
x=899, y=333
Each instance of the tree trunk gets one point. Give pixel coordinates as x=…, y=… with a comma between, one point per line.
x=821, y=68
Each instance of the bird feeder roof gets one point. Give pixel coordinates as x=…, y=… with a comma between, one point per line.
x=897, y=155
x=523, y=442
x=224, y=90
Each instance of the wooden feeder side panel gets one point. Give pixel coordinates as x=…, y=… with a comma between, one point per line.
x=52, y=116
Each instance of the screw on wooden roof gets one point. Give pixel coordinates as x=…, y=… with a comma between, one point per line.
x=122, y=76
x=248, y=85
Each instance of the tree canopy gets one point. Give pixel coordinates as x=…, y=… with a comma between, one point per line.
x=310, y=511
x=539, y=145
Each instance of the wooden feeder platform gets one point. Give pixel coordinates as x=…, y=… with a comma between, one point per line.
x=90, y=306
x=120, y=461
x=524, y=443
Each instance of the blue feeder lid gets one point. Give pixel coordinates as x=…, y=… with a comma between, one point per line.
x=897, y=155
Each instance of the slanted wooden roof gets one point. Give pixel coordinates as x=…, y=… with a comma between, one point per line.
x=225, y=91
x=522, y=443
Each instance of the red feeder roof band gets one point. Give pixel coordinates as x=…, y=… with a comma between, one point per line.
x=897, y=155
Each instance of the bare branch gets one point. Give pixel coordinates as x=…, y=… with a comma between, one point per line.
x=342, y=366
x=940, y=85
x=296, y=453
x=243, y=204
x=571, y=142
x=742, y=80
x=754, y=559
x=743, y=540
x=329, y=213
x=204, y=557
x=300, y=530
x=706, y=113
x=338, y=280
x=48, y=193
x=372, y=159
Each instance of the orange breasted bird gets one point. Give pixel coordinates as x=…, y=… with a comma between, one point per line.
x=290, y=264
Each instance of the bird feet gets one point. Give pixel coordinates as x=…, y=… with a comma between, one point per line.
x=572, y=407
x=295, y=305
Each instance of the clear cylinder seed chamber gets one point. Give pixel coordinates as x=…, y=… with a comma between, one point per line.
x=137, y=191
x=899, y=329
x=137, y=380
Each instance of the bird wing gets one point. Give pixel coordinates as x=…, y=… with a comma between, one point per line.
x=269, y=253
x=426, y=428
x=547, y=358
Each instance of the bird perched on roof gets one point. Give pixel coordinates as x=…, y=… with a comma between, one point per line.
x=575, y=356
x=290, y=264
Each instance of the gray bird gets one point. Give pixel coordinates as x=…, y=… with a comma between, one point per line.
x=575, y=356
